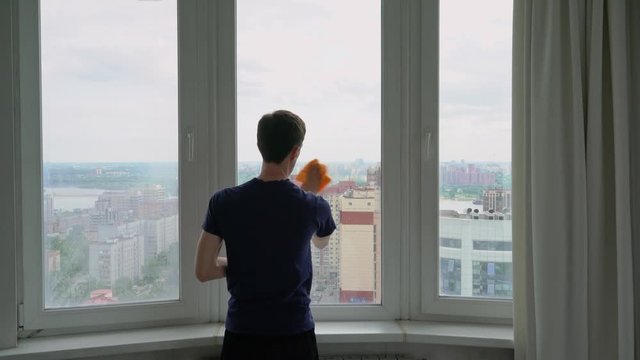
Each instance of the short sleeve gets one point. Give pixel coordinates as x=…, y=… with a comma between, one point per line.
x=210, y=223
x=326, y=225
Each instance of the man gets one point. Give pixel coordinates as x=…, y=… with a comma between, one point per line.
x=267, y=224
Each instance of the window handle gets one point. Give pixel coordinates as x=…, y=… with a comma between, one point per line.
x=190, y=146
x=426, y=145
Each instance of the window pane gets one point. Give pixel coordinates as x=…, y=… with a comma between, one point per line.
x=311, y=58
x=110, y=151
x=475, y=148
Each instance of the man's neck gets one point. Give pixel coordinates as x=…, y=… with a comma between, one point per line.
x=273, y=172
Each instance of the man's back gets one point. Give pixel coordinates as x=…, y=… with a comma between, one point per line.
x=267, y=227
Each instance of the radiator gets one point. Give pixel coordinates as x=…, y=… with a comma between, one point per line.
x=368, y=357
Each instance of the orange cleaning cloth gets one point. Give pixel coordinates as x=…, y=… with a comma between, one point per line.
x=322, y=170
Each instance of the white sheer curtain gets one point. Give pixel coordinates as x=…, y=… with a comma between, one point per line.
x=577, y=179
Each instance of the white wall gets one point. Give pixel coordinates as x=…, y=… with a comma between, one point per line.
x=8, y=321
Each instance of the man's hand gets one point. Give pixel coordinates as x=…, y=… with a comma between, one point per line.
x=222, y=263
x=313, y=181
x=320, y=242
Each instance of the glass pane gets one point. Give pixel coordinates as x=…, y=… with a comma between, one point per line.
x=310, y=57
x=475, y=148
x=110, y=151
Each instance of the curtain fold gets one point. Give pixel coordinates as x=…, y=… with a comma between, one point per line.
x=576, y=96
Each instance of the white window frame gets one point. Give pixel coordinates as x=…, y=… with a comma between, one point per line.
x=207, y=111
x=424, y=24
x=194, y=303
x=392, y=120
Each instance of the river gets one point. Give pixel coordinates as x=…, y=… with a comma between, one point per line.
x=458, y=205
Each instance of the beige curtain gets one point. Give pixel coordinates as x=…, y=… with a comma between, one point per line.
x=576, y=178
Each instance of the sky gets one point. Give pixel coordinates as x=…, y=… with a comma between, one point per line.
x=109, y=78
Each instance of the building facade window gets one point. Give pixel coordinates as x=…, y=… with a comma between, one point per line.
x=492, y=279
x=451, y=276
x=450, y=243
x=492, y=245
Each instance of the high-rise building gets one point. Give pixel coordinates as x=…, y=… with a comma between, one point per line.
x=108, y=216
x=152, y=193
x=360, y=246
x=118, y=200
x=48, y=208
x=159, y=234
x=154, y=209
x=120, y=257
x=104, y=232
x=326, y=262
x=374, y=177
x=498, y=200
x=339, y=188
x=52, y=261
x=475, y=256
x=465, y=174
x=116, y=206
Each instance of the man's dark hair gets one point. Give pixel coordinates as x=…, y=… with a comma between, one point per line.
x=278, y=133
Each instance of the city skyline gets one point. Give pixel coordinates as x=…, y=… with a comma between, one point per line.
x=128, y=228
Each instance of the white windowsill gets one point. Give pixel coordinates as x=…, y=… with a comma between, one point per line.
x=177, y=337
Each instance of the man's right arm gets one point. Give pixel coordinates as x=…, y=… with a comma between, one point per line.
x=208, y=265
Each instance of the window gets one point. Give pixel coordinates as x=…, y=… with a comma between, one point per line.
x=492, y=279
x=128, y=126
x=491, y=245
x=451, y=276
x=470, y=132
x=122, y=124
x=110, y=151
x=106, y=189
x=450, y=242
x=308, y=57
x=475, y=128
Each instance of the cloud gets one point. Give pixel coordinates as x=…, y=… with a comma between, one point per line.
x=475, y=80
x=110, y=77
x=109, y=80
x=315, y=61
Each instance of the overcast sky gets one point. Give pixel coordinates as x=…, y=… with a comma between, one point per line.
x=109, y=77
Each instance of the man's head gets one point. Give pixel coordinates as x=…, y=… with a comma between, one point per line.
x=280, y=134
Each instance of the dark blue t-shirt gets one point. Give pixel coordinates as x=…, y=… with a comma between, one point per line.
x=267, y=227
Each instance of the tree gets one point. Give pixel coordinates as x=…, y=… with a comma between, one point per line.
x=123, y=289
x=71, y=284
